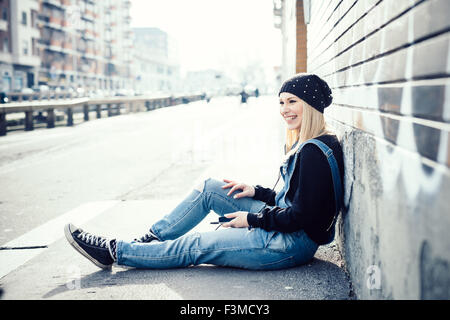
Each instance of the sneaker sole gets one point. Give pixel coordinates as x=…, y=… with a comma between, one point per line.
x=75, y=245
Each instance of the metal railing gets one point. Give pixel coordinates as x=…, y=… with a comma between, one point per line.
x=113, y=106
x=45, y=95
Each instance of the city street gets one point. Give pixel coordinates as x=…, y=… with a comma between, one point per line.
x=115, y=176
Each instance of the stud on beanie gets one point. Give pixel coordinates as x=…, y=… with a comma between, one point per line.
x=310, y=88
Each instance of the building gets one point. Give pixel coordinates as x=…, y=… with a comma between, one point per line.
x=85, y=44
x=66, y=43
x=209, y=81
x=156, y=64
x=387, y=65
x=19, y=35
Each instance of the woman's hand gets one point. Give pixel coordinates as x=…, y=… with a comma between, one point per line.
x=239, y=221
x=247, y=191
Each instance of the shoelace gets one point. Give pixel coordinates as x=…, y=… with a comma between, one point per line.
x=146, y=237
x=93, y=239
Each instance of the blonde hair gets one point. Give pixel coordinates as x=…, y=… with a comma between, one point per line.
x=313, y=125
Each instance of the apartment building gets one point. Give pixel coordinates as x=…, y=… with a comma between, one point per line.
x=19, y=35
x=86, y=44
x=66, y=43
x=156, y=65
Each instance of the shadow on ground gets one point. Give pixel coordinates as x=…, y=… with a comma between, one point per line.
x=317, y=280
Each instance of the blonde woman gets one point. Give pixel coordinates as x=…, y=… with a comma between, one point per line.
x=268, y=230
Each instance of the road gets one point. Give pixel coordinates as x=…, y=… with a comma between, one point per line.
x=49, y=171
x=114, y=172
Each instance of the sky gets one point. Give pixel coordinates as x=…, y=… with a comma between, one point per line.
x=215, y=34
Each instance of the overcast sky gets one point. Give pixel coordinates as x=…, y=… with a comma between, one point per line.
x=214, y=33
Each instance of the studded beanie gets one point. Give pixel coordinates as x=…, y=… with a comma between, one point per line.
x=310, y=88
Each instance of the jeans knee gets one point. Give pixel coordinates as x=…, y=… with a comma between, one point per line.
x=208, y=184
x=200, y=186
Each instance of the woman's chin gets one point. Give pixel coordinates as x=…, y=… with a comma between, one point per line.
x=293, y=126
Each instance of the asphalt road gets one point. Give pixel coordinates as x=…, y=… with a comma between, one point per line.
x=46, y=172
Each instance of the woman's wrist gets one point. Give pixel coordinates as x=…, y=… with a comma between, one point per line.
x=252, y=192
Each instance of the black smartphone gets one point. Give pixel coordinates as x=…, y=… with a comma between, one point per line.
x=222, y=220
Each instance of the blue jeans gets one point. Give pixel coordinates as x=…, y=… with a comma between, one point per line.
x=255, y=249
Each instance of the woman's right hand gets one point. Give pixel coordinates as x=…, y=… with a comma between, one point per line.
x=247, y=190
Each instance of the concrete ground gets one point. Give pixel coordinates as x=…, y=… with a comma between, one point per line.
x=123, y=198
x=59, y=272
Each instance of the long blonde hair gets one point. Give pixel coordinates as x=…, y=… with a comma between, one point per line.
x=313, y=125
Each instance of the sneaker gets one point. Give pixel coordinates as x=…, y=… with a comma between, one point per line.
x=95, y=248
x=146, y=238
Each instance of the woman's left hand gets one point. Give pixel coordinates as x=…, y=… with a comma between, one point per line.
x=239, y=221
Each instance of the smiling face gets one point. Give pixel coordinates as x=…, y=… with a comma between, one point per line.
x=291, y=109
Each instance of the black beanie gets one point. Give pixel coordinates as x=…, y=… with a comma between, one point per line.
x=310, y=88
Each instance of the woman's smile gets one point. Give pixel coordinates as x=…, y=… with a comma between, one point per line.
x=291, y=109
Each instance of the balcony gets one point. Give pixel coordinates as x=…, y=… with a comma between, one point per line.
x=67, y=45
x=32, y=61
x=53, y=22
x=56, y=43
x=59, y=47
x=56, y=3
x=88, y=15
x=65, y=23
x=6, y=57
x=88, y=35
x=3, y=25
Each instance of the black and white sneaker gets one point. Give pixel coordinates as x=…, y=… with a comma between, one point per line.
x=96, y=249
x=147, y=238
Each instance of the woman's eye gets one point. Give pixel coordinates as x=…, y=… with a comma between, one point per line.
x=292, y=101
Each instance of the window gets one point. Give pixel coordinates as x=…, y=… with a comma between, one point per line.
x=6, y=82
x=25, y=47
x=24, y=18
x=5, y=45
x=5, y=14
x=34, y=18
x=18, y=83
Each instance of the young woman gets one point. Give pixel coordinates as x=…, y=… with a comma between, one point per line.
x=268, y=230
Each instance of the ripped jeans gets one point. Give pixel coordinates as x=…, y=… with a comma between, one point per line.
x=254, y=249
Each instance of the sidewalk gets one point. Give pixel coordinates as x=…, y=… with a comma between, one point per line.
x=244, y=149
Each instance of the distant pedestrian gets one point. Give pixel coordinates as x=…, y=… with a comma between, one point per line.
x=268, y=229
x=244, y=96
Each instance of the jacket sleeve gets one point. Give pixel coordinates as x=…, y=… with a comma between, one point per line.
x=265, y=194
x=309, y=202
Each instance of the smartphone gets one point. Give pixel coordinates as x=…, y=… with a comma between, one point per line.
x=222, y=220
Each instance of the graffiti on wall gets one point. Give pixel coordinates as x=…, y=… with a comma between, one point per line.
x=394, y=86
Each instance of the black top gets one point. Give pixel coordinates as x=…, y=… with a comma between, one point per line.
x=311, y=193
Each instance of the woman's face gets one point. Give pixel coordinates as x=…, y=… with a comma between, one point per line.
x=291, y=109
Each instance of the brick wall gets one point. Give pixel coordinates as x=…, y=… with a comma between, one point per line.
x=388, y=64
x=301, y=54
